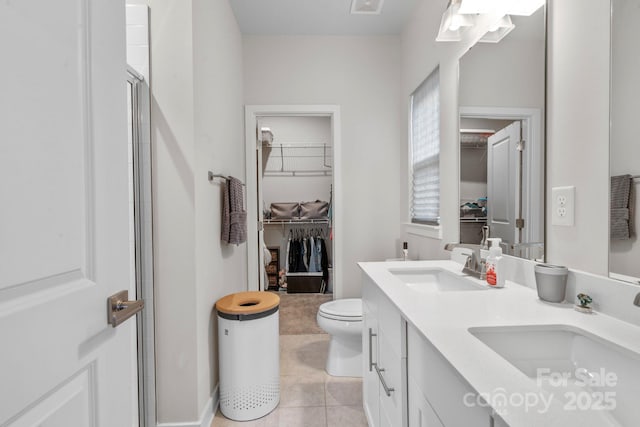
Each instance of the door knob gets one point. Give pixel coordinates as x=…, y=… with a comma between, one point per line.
x=120, y=309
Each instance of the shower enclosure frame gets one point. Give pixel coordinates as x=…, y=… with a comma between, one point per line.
x=142, y=256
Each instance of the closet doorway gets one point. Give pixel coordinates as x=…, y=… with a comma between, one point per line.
x=293, y=162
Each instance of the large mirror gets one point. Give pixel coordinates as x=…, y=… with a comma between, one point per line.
x=624, y=248
x=502, y=139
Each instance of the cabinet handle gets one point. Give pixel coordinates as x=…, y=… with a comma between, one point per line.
x=371, y=335
x=387, y=389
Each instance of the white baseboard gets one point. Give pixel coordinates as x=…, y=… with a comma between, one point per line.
x=206, y=418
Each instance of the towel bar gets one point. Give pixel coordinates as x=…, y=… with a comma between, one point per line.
x=211, y=176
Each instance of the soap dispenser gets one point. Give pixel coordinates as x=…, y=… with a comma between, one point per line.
x=405, y=251
x=493, y=263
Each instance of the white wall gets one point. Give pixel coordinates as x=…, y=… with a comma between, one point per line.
x=303, y=129
x=197, y=126
x=361, y=74
x=578, y=130
x=174, y=203
x=625, y=149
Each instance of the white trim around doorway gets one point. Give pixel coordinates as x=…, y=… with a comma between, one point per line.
x=252, y=114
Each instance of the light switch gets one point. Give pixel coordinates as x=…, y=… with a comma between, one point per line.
x=563, y=202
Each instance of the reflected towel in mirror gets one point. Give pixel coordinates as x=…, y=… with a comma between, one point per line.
x=621, y=207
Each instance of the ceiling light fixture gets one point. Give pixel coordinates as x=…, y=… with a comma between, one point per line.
x=523, y=7
x=453, y=24
x=498, y=30
x=366, y=7
x=507, y=7
x=472, y=7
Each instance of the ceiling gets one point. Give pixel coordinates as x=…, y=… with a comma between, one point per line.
x=319, y=17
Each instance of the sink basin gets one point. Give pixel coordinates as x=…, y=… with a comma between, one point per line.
x=434, y=279
x=577, y=367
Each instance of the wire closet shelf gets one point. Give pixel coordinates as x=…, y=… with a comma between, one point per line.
x=297, y=159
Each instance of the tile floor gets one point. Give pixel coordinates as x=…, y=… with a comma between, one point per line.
x=309, y=397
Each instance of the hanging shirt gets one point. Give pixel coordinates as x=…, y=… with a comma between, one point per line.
x=319, y=252
x=286, y=259
x=324, y=262
x=293, y=256
x=314, y=265
x=305, y=254
x=300, y=265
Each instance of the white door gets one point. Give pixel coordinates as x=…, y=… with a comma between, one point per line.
x=64, y=215
x=502, y=183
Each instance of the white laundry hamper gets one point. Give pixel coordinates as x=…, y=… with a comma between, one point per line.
x=249, y=354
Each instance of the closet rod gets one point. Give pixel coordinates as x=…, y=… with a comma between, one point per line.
x=296, y=221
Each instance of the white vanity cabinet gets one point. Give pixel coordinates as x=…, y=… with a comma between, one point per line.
x=385, y=359
x=406, y=381
x=436, y=388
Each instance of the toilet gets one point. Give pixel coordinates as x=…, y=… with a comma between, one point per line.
x=342, y=319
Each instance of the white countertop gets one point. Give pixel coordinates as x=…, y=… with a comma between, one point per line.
x=444, y=318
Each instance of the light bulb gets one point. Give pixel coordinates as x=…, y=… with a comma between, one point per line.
x=455, y=24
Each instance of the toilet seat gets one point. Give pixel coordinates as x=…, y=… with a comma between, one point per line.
x=346, y=310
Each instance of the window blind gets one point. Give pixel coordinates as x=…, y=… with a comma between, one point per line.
x=425, y=151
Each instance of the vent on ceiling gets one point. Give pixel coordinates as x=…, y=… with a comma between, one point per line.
x=366, y=7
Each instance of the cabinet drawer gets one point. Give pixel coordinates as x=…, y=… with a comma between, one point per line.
x=391, y=362
x=389, y=319
x=441, y=384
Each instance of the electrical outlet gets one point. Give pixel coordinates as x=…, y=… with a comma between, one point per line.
x=563, y=206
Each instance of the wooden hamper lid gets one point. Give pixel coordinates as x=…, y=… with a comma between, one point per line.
x=252, y=302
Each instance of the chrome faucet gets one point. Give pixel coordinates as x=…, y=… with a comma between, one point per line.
x=636, y=301
x=475, y=265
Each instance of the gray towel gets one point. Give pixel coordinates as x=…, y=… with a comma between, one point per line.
x=632, y=209
x=621, y=221
x=234, y=217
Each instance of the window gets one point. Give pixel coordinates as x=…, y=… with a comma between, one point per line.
x=425, y=151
